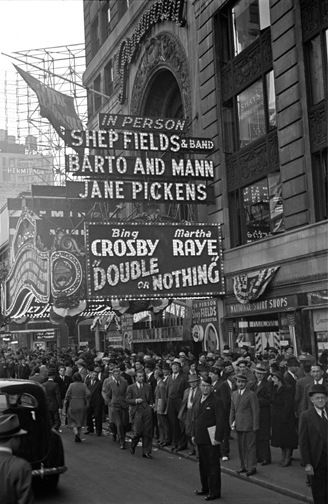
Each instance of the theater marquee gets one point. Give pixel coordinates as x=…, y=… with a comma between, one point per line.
x=137, y=261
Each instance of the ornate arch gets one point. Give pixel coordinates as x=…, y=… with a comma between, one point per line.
x=163, y=51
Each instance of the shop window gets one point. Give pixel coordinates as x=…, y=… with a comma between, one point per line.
x=95, y=41
x=96, y=96
x=122, y=7
x=109, y=78
x=257, y=210
x=320, y=184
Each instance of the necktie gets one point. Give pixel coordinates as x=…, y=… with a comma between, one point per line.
x=324, y=416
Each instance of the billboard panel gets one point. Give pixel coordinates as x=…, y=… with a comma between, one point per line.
x=150, y=260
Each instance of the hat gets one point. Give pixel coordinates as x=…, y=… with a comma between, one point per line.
x=193, y=377
x=260, y=369
x=80, y=361
x=318, y=389
x=241, y=376
x=219, y=363
x=52, y=372
x=182, y=354
x=176, y=361
x=10, y=427
x=292, y=361
x=97, y=369
x=278, y=375
x=215, y=369
x=210, y=355
x=207, y=380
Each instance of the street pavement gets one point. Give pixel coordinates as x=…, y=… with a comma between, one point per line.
x=289, y=481
x=100, y=473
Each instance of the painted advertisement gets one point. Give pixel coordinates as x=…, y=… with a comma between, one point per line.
x=205, y=324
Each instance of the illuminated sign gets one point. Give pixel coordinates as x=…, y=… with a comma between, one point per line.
x=135, y=261
x=160, y=192
x=136, y=167
x=136, y=141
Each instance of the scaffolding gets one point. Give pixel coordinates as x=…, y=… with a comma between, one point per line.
x=52, y=63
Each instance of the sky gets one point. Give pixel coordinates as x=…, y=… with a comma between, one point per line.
x=34, y=24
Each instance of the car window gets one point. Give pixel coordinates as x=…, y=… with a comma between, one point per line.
x=28, y=401
x=3, y=402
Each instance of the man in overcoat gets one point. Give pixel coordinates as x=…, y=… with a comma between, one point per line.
x=244, y=418
x=54, y=399
x=176, y=384
x=313, y=443
x=190, y=398
x=208, y=431
x=140, y=398
x=263, y=390
x=114, y=391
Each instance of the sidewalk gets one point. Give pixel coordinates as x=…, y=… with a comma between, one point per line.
x=288, y=481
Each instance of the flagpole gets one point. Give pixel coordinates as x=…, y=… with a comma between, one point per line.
x=56, y=75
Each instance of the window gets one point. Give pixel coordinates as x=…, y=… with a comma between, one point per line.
x=316, y=50
x=109, y=78
x=105, y=22
x=95, y=42
x=122, y=6
x=250, y=115
x=257, y=210
x=96, y=96
x=244, y=23
x=320, y=183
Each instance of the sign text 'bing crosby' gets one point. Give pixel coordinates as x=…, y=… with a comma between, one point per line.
x=151, y=260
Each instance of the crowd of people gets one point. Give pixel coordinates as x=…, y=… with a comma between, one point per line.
x=175, y=400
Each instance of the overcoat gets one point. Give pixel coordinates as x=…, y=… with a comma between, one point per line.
x=283, y=433
x=15, y=480
x=77, y=398
x=263, y=392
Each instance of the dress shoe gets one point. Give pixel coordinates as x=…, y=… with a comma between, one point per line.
x=224, y=459
x=200, y=492
x=77, y=439
x=251, y=472
x=147, y=455
x=240, y=471
x=89, y=432
x=211, y=497
x=122, y=446
x=265, y=462
x=132, y=449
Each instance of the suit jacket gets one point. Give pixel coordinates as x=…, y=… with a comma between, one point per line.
x=15, y=480
x=133, y=393
x=95, y=392
x=175, y=388
x=244, y=411
x=222, y=390
x=263, y=391
x=53, y=395
x=313, y=437
x=184, y=405
x=206, y=414
x=290, y=382
x=160, y=398
x=113, y=394
x=301, y=402
x=63, y=384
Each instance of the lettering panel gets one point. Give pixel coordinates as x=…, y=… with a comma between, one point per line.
x=135, y=261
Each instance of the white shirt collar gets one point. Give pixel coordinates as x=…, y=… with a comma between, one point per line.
x=319, y=411
x=5, y=449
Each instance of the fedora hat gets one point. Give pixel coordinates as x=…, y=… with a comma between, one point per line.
x=260, y=369
x=241, y=376
x=318, y=389
x=10, y=427
x=176, y=361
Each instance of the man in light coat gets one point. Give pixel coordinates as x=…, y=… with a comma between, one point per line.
x=244, y=418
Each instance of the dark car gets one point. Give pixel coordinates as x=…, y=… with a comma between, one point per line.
x=42, y=446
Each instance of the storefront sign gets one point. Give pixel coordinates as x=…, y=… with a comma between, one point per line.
x=160, y=192
x=281, y=303
x=320, y=320
x=138, y=167
x=204, y=311
x=135, y=261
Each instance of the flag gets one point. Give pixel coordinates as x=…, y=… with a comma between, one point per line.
x=57, y=107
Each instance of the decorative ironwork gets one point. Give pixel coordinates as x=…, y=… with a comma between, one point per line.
x=164, y=51
x=253, y=162
x=247, y=67
x=318, y=126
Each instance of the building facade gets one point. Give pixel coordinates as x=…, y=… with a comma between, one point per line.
x=252, y=76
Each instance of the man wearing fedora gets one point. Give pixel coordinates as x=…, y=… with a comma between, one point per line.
x=190, y=396
x=175, y=387
x=313, y=443
x=263, y=390
x=244, y=418
x=15, y=472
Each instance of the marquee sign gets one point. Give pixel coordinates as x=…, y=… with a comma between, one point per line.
x=136, y=261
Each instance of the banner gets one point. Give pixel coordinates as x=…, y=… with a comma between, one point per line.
x=145, y=261
x=57, y=107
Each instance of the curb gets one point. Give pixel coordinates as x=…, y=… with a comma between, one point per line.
x=257, y=481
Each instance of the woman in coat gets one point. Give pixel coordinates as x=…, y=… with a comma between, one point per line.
x=76, y=404
x=283, y=433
